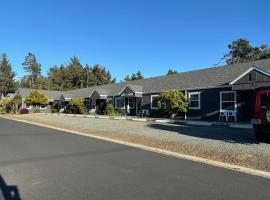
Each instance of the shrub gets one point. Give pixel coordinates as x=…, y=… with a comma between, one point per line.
x=36, y=98
x=17, y=101
x=76, y=106
x=173, y=102
x=37, y=111
x=53, y=110
x=24, y=111
x=6, y=105
x=109, y=110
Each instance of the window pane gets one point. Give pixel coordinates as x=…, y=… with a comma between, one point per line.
x=120, y=103
x=227, y=106
x=228, y=96
x=194, y=97
x=154, y=102
x=194, y=104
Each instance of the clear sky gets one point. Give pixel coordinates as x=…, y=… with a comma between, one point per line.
x=129, y=35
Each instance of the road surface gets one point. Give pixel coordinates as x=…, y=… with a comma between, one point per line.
x=43, y=163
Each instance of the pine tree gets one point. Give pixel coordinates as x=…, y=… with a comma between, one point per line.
x=7, y=82
x=33, y=68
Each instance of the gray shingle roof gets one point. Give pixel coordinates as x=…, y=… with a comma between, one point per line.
x=208, y=77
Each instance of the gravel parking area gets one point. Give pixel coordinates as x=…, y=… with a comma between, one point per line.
x=234, y=146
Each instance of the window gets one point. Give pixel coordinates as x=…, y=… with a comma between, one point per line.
x=119, y=103
x=154, y=101
x=194, y=100
x=228, y=100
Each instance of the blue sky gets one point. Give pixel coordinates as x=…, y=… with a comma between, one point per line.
x=129, y=35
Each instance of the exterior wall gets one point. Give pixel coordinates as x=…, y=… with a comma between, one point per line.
x=209, y=106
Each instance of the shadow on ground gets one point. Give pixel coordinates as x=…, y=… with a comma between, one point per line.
x=8, y=192
x=222, y=133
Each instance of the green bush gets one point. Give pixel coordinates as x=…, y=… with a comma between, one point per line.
x=109, y=110
x=173, y=102
x=37, y=111
x=76, y=106
x=6, y=106
x=54, y=110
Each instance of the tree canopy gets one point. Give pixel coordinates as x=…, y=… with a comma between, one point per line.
x=36, y=98
x=33, y=68
x=135, y=76
x=7, y=82
x=171, y=71
x=242, y=51
x=172, y=101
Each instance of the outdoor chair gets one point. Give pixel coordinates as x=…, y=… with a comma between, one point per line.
x=223, y=115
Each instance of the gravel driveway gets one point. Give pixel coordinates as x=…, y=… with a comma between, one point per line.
x=234, y=146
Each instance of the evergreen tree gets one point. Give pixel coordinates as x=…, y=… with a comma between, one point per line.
x=242, y=51
x=33, y=68
x=170, y=71
x=135, y=76
x=7, y=82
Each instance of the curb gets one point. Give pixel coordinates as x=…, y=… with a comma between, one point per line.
x=160, y=151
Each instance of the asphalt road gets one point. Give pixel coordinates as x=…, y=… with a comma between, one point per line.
x=43, y=164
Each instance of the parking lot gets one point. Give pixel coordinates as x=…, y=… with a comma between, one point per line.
x=221, y=143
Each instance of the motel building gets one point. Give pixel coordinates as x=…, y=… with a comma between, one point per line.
x=212, y=92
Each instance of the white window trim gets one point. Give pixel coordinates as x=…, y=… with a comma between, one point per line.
x=220, y=100
x=155, y=95
x=199, y=100
x=115, y=101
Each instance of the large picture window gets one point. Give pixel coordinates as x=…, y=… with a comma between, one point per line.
x=154, y=101
x=119, y=103
x=194, y=100
x=228, y=100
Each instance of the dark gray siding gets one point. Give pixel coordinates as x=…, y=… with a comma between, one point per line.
x=253, y=80
x=210, y=104
x=253, y=76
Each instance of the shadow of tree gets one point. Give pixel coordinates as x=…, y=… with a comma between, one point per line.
x=9, y=192
x=222, y=133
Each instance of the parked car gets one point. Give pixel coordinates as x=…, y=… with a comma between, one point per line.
x=261, y=118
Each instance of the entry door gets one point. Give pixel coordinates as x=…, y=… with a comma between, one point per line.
x=138, y=105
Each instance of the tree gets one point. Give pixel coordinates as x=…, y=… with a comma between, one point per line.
x=172, y=101
x=76, y=105
x=33, y=68
x=7, y=82
x=36, y=98
x=75, y=74
x=242, y=51
x=17, y=101
x=170, y=71
x=135, y=76
x=127, y=78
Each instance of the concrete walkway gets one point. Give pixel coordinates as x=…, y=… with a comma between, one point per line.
x=242, y=125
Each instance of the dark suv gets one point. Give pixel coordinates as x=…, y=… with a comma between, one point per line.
x=261, y=120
